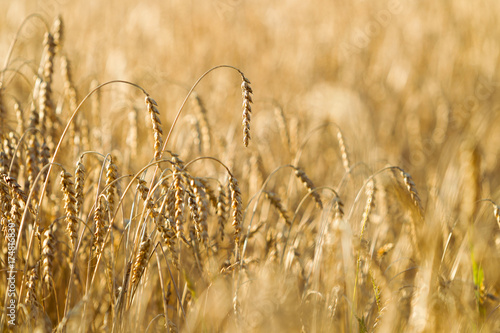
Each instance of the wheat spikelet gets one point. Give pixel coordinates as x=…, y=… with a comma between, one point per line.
x=16, y=212
x=48, y=251
x=15, y=188
x=49, y=54
x=196, y=133
x=79, y=183
x=208, y=191
x=44, y=160
x=140, y=262
x=5, y=200
x=338, y=207
x=246, y=92
x=170, y=206
x=100, y=226
x=410, y=186
x=142, y=189
x=70, y=202
x=191, y=199
x=4, y=162
x=221, y=211
x=343, y=150
x=276, y=202
x=168, y=233
x=309, y=185
x=149, y=202
x=9, y=143
x=31, y=285
x=179, y=196
x=412, y=189
x=201, y=207
x=69, y=88
x=155, y=119
x=32, y=163
x=237, y=207
x=45, y=107
x=58, y=33
x=111, y=176
x=201, y=114
x=370, y=204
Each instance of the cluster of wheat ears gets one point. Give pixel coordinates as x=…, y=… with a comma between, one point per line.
x=200, y=241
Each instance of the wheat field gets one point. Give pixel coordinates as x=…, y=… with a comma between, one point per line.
x=249, y=166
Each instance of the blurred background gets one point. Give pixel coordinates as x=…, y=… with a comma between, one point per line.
x=386, y=69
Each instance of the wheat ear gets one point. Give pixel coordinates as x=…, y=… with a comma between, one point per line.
x=48, y=249
x=100, y=226
x=309, y=185
x=111, y=186
x=179, y=196
x=141, y=260
x=155, y=120
x=246, y=92
x=70, y=202
x=343, y=150
x=276, y=202
x=370, y=204
x=237, y=206
x=412, y=189
x=31, y=285
x=58, y=32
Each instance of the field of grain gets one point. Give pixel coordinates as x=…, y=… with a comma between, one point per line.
x=249, y=166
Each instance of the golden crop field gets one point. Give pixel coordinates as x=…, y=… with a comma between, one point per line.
x=249, y=166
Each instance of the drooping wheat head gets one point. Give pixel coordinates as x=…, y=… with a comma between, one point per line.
x=140, y=261
x=276, y=202
x=309, y=186
x=157, y=130
x=246, y=92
